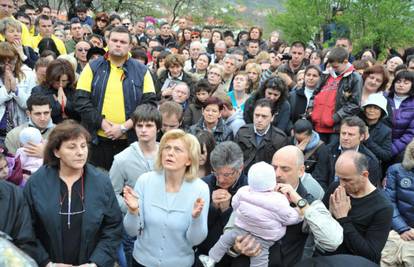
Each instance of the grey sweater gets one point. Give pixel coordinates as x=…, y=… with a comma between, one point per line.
x=126, y=168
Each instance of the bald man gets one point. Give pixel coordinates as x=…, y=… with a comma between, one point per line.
x=288, y=163
x=362, y=210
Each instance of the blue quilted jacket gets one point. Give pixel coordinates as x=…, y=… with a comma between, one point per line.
x=400, y=191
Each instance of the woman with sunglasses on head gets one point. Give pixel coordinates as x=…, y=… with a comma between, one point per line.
x=76, y=216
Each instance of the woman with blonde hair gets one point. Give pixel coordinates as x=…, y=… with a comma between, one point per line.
x=167, y=209
x=11, y=29
x=254, y=71
x=215, y=74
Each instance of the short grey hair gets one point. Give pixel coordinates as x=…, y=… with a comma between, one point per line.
x=227, y=153
x=197, y=43
x=232, y=57
x=361, y=162
x=221, y=44
x=9, y=22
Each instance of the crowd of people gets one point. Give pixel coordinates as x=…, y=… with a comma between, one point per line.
x=141, y=143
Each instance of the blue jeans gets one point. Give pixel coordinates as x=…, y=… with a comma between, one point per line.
x=121, y=256
x=126, y=249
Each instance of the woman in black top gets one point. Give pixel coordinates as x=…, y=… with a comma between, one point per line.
x=59, y=87
x=299, y=97
x=76, y=216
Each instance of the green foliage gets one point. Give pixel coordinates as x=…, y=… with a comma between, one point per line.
x=384, y=24
x=301, y=20
x=198, y=10
x=372, y=23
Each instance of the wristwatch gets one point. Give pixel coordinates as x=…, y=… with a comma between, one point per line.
x=302, y=203
x=232, y=253
x=123, y=129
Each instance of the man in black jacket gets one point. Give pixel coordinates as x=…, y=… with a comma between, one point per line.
x=15, y=218
x=351, y=134
x=227, y=162
x=260, y=140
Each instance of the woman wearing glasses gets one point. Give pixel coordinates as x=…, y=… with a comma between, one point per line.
x=167, y=210
x=75, y=213
x=101, y=21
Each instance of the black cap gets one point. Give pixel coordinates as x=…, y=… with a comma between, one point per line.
x=95, y=51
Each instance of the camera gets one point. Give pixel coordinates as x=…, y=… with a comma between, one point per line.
x=286, y=56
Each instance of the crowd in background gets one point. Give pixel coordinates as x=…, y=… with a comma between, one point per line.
x=149, y=144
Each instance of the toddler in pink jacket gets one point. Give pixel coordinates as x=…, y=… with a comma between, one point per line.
x=259, y=211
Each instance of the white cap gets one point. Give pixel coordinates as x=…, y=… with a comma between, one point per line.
x=377, y=99
x=261, y=177
x=30, y=134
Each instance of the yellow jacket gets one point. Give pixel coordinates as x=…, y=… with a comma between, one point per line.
x=59, y=44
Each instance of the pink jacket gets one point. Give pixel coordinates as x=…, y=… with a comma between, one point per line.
x=263, y=214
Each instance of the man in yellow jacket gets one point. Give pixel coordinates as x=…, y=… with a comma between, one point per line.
x=46, y=31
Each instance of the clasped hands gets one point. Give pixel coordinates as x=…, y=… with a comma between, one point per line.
x=112, y=130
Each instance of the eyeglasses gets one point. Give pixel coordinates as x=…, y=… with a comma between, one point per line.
x=214, y=73
x=103, y=20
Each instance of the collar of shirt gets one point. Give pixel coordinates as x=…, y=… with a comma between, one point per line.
x=343, y=150
x=206, y=129
x=49, y=125
x=261, y=134
x=178, y=78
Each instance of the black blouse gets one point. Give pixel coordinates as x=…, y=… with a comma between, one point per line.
x=71, y=219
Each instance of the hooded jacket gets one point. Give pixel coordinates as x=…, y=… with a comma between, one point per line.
x=400, y=191
x=330, y=104
x=126, y=168
x=264, y=214
x=402, y=124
